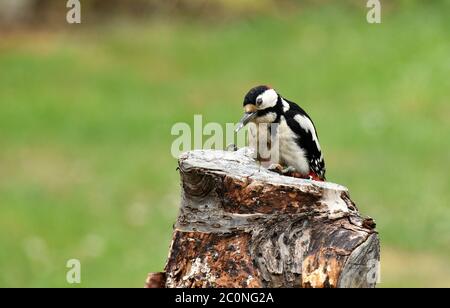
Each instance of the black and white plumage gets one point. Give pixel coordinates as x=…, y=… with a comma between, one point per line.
x=296, y=134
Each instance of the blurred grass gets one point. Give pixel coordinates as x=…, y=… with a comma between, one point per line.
x=85, y=119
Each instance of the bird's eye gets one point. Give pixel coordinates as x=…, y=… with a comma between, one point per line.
x=259, y=101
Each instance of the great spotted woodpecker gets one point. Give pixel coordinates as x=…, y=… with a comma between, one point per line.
x=298, y=143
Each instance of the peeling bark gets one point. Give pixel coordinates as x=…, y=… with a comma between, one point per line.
x=241, y=225
x=156, y=280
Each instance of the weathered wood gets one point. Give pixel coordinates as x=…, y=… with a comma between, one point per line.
x=241, y=225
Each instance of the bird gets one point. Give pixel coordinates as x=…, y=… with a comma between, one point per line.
x=296, y=138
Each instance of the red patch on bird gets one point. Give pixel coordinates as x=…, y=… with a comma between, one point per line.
x=315, y=177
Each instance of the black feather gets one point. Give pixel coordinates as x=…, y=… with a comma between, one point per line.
x=250, y=97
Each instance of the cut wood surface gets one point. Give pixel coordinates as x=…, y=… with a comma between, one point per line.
x=241, y=225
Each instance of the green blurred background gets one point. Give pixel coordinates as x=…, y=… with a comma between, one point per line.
x=86, y=113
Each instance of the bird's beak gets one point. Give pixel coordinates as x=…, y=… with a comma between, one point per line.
x=250, y=114
x=245, y=119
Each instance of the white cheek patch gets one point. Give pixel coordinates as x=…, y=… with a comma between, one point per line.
x=307, y=125
x=269, y=98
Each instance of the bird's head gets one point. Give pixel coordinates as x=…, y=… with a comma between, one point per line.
x=258, y=104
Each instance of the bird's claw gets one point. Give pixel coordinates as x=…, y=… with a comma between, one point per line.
x=292, y=172
x=276, y=168
x=288, y=171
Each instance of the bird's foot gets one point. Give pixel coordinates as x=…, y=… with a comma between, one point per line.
x=276, y=168
x=288, y=171
x=292, y=172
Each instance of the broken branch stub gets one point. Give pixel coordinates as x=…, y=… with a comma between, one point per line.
x=241, y=225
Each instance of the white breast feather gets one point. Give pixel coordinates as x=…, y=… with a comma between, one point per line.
x=268, y=118
x=290, y=153
x=259, y=140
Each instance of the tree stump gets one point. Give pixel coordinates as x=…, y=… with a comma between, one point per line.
x=241, y=225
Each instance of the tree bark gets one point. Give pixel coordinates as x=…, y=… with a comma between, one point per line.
x=241, y=225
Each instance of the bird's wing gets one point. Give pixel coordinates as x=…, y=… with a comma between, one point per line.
x=302, y=125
